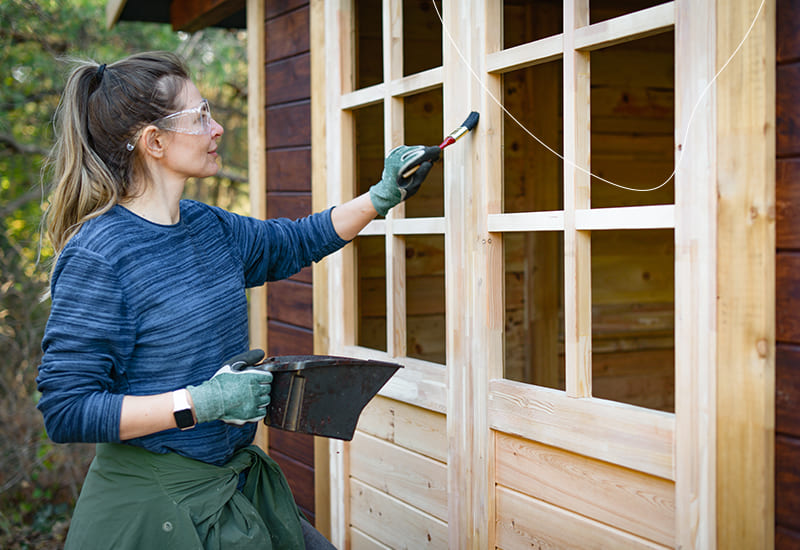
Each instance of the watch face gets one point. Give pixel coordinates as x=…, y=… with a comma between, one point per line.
x=184, y=418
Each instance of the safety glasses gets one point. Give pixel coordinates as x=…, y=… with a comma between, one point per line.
x=194, y=121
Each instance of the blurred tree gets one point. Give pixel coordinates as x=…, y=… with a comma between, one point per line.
x=38, y=38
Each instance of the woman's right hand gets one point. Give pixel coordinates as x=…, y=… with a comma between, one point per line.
x=232, y=395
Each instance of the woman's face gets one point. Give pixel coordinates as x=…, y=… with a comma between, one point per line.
x=192, y=154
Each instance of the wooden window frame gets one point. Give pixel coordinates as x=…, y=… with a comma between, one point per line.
x=681, y=446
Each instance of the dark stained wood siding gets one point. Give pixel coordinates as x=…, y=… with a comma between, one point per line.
x=787, y=196
x=288, y=128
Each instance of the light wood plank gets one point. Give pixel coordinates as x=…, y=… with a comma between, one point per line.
x=393, y=522
x=660, y=216
x=405, y=475
x=526, y=55
x=414, y=428
x=637, y=438
x=419, y=226
x=626, y=28
x=416, y=83
x=695, y=279
x=419, y=383
x=746, y=276
x=361, y=541
x=319, y=201
x=527, y=221
x=577, y=195
x=524, y=522
x=634, y=502
x=363, y=97
x=257, y=171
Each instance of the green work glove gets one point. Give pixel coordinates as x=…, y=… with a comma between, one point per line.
x=237, y=393
x=394, y=187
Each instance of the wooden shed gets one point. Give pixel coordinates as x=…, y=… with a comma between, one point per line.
x=592, y=296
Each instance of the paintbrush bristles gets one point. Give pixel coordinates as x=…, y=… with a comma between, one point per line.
x=472, y=120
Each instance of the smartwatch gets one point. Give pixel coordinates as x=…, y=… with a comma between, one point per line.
x=181, y=410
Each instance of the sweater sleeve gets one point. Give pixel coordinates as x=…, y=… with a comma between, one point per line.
x=278, y=248
x=85, y=341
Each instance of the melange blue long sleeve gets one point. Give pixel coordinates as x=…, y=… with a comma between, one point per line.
x=141, y=309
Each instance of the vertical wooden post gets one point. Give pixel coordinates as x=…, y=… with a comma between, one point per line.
x=319, y=201
x=577, y=193
x=339, y=184
x=393, y=131
x=695, y=260
x=257, y=167
x=746, y=276
x=472, y=324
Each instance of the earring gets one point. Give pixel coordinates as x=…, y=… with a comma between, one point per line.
x=129, y=146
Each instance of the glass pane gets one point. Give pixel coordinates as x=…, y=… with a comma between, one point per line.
x=600, y=10
x=532, y=174
x=371, y=307
x=423, y=126
x=633, y=317
x=534, y=308
x=422, y=36
x=425, y=301
x=528, y=20
x=633, y=121
x=369, y=44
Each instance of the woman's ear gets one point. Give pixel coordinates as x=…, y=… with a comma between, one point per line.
x=153, y=142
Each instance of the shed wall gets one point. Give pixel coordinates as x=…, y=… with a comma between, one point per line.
x=288, y=190
x=787, y=414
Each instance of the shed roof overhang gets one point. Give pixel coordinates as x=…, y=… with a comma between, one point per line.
x=184, y=15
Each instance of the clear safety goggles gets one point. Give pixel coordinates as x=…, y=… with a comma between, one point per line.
x=194, y=121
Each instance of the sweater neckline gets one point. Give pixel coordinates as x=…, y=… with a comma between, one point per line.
x=145, y=221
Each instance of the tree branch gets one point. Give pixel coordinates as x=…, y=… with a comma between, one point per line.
x=26, y=148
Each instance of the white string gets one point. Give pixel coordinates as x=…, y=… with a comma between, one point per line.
x=571, y=163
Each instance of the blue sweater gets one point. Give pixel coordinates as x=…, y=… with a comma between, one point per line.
x=141, y=309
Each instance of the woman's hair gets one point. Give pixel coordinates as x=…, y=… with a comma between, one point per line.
x=101, y=112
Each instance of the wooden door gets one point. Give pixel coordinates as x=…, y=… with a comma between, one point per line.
x=552, y=290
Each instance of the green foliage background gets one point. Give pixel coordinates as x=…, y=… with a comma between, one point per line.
x=39, y=481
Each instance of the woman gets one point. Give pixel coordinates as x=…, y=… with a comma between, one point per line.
x=148, y=301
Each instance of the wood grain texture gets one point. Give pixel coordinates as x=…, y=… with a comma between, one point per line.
x=288, y=205
x=745, y=357
x=524, y=523
x=287, y=34
x=300, y=477
x=636, y=438
x=274, y=8
x=628, y=500
x=788, y=116
x=405, y=475
x=788, y=23
x=289, y=170
x=787, y=390
x=787, y=478
x=787, y=266
x=787, y=202
x=289, y=79
x=289, y=125
x=413, y=428
x=393, y=522
x=290, y=302
x=288, y=340
x=297, y=446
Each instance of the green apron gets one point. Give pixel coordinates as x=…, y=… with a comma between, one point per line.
x=135, y=499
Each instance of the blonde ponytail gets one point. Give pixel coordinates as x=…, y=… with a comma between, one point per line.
x=100, y=112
